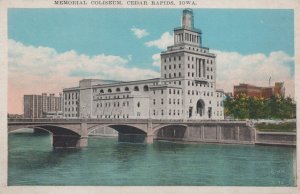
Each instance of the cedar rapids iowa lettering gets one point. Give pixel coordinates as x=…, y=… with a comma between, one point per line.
x=185, y=90
x=130, y=3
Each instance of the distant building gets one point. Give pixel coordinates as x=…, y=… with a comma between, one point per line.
x=39, y=106
x=14, y=116
x=53, y=114
x=258, y=91
x=186, y=88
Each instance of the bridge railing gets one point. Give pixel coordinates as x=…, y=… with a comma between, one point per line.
x=91, y=120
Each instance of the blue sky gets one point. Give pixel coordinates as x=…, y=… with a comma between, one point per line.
x=96, y=31
x=52, y=49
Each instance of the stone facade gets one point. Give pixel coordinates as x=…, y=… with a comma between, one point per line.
x=185, y=90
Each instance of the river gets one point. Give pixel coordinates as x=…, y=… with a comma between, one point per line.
x=106, y=162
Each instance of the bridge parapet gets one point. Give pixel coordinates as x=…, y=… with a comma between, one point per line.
x=80, y=120
x=204, y=130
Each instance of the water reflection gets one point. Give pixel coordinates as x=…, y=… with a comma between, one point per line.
x=32, y=161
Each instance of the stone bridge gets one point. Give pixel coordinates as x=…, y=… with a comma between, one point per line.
x=74, y=132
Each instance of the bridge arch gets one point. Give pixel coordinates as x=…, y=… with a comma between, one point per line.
x=170, y=131
x=53, y=129
x=61, y=137
x=155, y=129
x=121, y=128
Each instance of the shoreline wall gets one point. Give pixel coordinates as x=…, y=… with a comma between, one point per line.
x=226, y=133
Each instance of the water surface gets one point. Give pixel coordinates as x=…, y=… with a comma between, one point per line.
x=32, y=161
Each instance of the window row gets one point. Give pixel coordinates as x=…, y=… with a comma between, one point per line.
x=71, y=109
x=219, y=95
x=126, y=89
x=193, y=67
x=200, y=84
x=174, y=91
x=193, y=92
x=161, y=112
x=71, y=102
x=219, y=103
x=207, y=61
x=170, y=58
x=175, y=82
x=192, y=74
x=175, y=101
x=114, y=97
x=174, y=66
x=73, y=95
x=118, y=116
x=114, y=104
x=71, y=115
x=170, y=75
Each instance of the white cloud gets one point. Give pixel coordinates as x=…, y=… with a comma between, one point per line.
x=139, y=33
x=33, y=70
x=156, y=60
x=163, y=42
x=234, y=68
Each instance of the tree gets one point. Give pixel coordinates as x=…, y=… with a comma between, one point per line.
x=275, y=107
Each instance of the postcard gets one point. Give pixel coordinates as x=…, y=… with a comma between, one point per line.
x=149, y=96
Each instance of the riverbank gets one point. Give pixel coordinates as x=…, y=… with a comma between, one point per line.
x=276, y=127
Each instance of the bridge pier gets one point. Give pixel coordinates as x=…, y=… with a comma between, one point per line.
x=82, y=142
x=72, y=141
x=149, y=139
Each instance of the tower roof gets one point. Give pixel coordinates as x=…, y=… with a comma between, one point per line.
x=187, y=21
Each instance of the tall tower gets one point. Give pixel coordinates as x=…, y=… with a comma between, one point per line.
x=187, y=34
x=187, y=19
x=190, y=66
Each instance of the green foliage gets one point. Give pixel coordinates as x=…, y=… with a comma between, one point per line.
x=276, y=107
x=287, y=127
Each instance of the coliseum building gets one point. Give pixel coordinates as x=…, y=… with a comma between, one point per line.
x=186, y=89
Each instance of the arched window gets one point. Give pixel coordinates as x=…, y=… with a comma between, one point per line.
x=136, y=88
x=101, y=91
x=146, y=88
x=118, y=90
x=200, y=108
x=126, y=89
x=109, y=90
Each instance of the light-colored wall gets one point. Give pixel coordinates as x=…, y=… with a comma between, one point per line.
x=92, y=100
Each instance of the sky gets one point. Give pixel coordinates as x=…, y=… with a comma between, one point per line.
x=50, y=49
